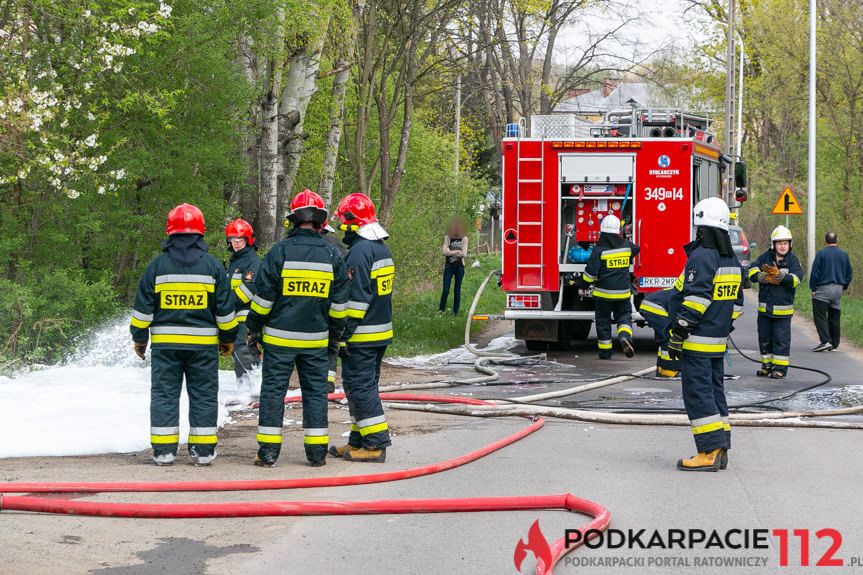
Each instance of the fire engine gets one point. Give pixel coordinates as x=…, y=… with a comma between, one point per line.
x=648, y=167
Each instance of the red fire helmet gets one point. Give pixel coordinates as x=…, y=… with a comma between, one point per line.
x=356, y=210
x=240, y=229
x=185, y=219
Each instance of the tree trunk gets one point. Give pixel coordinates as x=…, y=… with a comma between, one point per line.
x=267, y=232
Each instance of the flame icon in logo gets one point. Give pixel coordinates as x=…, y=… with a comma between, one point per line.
x=536, y=543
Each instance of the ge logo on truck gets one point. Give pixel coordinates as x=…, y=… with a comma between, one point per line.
x=664, y=161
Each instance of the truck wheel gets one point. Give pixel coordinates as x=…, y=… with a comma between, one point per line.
x=581, y=329
x=535, y=345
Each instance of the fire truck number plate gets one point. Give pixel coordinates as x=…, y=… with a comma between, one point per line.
x=656, y=282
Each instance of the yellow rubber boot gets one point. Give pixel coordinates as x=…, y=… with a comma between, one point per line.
x=660, y=372
x=366, y=455
x=702, y=462
x=340, y=451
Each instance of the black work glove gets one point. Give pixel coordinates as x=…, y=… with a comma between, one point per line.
x=675, y=347
x=344, y=352
x=680, y=330
x=141, y=350
x=253, y=338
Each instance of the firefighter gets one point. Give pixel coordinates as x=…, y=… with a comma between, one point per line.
x=242, y=269
x=703, y=311
x=778, y=272
x=654, y=309
x=608, y=270
x=183, y=306
x=328, y=234
x=368, y=329
x=298, y=309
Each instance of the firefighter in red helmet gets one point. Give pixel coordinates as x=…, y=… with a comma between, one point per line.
x=299, y=307
x=368, y=329
x=183, y=308
x=242, y=269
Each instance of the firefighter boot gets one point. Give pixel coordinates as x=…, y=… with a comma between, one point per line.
x=164, y=459
x=628, y=349
x=266, y=456
x=340, y=451
x=666, y=373
x=202, y=457
x=702, y=462
x=777, y=374
x=318, y=462
x=765, y=371
x=366, y=455
x=723, y=461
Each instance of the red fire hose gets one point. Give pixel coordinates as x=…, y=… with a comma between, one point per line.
x=303, y=508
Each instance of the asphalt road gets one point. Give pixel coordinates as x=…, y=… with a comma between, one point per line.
x=792, y=479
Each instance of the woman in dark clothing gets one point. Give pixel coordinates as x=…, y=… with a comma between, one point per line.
x=455, y=251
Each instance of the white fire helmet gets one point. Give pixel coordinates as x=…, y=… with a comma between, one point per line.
x=610, y=225
x=781, y=233
x=711, y=213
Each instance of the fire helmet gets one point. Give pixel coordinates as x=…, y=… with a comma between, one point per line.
x=781, y=233
x=185, y=219
x=240, y=229
x=307, y=206
x=610, y=225
x=355, y=211
x=711, y=213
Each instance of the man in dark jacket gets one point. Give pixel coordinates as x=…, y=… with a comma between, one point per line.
x=184, y=308
x=608, y=270
x=777, y=272
x=368, y=329
x=830, y=276
x=701, y=314
x=242, y=270
x=297, y=312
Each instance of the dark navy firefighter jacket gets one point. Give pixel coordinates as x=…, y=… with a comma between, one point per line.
x=777, y=300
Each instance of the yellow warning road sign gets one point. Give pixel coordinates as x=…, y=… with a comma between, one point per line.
x=787, y=203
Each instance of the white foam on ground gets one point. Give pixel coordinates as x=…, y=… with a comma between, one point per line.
x=457, y=354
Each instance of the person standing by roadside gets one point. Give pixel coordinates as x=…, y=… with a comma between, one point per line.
x=184, y=309
x=455, y=252
x=830, y=276
x=243, y=267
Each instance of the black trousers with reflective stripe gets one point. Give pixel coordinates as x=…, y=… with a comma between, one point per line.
x=360, y=374
x=774, y=338
x=605, y=309
x=312, y=372
x=659, y=325
x=201, y=369
x=704, y=396
x=244, y=360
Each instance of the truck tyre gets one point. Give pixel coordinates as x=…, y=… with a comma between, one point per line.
x=580, y=329
x=535, y=345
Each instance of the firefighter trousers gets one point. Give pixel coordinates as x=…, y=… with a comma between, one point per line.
x=201, y=370
x=774, y=343
x=276, y=373
x=244, y=360
x=332, y=365
x=704, y=399
x=659, y=325
x=360, y=374
x=622, y=316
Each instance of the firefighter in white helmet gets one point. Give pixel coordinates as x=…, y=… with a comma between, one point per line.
x=778, y=273
x=608, y=270
x=701, y=314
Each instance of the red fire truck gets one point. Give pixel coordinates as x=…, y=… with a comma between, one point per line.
x=648, y=167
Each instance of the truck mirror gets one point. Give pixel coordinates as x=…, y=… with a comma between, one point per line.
x=740, y=174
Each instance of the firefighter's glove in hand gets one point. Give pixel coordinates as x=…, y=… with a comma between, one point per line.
x=773, y=280
x=680, y=330
x=770, y=270
x=253, y=338
x=344, y=352
x=761, y=277
x=225, y=348
x=141, y=350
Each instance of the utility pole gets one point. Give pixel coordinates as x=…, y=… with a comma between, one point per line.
x=729, y=102
x=810, y=203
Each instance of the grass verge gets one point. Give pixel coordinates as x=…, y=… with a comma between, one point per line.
x=421, y=329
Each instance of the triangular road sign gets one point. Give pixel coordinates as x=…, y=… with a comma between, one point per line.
x=787, y=203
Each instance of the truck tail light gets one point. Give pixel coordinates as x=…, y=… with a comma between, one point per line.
x=522, y=301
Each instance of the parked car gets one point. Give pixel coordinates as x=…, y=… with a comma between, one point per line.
x=742, y=249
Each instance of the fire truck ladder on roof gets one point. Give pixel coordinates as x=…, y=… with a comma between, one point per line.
x=529, y=192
